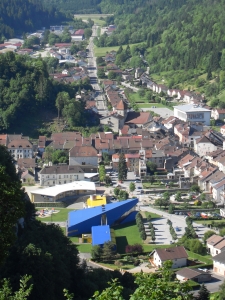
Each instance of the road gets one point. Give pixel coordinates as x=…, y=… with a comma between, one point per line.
x=92, y=69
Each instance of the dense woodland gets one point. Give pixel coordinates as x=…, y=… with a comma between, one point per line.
x=25, y=85
x=20, y=16
x=75, y=6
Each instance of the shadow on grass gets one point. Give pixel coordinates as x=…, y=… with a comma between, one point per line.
x=121, y=242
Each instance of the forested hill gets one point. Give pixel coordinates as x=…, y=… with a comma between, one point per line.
x=18, y=16
x=75, y=6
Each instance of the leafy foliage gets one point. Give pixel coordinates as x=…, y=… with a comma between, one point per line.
x=122, y=167
x=24, y=15
x=11, y=202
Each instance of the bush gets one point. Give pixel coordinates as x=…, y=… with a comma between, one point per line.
x=136, y=248
x=118, y=263
x=136, y=262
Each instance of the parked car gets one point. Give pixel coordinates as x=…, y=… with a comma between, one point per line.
x=177, y=229
x=176, y=213
x=137, y=181
x=180, y=213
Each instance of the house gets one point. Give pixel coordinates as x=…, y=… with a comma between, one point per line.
x=60, y=174
x=78, y=35
x=26, y=164
x=177, y=255
x=222, y=130
x=41, y=144
x=193, y=274
x=20, y=147
x=203, y=146
x=132, y=161
x=84, y=155
x=212, y=242
x=218, y=114
x=114, y=121
x=219, y=264
x=218, y=192
x=137, y=119
x=192, y=113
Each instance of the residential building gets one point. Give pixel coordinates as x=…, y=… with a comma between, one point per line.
x=218, y=114
x=222, y=130
x=78, y=35
x=192, y=113
x=114, y=121
x=219, y=264
x=177, y=255
x=196, y=275
x=212, y=242
x=60, y=174
x=203, y=146
x=20, y=147
x=132, y=161
x=84, y=155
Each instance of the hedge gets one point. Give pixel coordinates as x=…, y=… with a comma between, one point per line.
x=50, y=204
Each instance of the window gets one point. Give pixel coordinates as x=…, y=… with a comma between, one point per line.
x=59, y=182
x=83, y=163
x=64, y=181
x=53, y=182
x=59, y=176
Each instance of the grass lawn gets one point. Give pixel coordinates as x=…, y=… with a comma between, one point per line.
x=101, y=51
x=114, y=267
x=216, y=128
x=84, y=248
x=61, y=216
x=203, y=258
x=149, y=185
x=214, y=296
x=209, y=222
x=153, y=215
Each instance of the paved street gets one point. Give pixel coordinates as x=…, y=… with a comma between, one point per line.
x=92, y=69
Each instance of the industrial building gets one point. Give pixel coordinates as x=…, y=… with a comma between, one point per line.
x=81, y=221
x=63, y=191
x=102, y=234
x=192, y=113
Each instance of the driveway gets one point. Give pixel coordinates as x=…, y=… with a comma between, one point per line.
x=163, y=112
x=213, y=285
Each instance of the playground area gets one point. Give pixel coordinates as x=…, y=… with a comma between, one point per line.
x=45, y=212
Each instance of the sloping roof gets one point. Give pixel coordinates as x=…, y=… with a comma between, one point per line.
x=172, y=253
x=190, y=273
x=20, y=143
x=26, y=163
x=83, y=151
x=191, y=108
x=61, y=169
x=220, y=258
x=72, y=186
x=121, y=105
x=138, y=117
x=203, y=139
x=79, y=32
x=220, y=245
x=214, y=239
x=220, y=184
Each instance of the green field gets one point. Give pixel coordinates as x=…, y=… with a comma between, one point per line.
x=209, y=222
x=84, y=248
x=205, y=259
x=61, y=216
x=101, y=51
x=93, y=17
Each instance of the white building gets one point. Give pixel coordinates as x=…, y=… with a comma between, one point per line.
x=60, y=174
x=203, y=146
x=219, y=264
x=63, y=191
x=215, y=244
x=177, y=255
x=20, y=148
x=192, y=113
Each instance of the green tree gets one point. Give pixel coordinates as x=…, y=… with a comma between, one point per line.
x=102, y=173
x=108, y=251
x=208, y=234
x=87, y=33
x=101, y=73
x=48, y=153
x=141, y=92
x=222, y=291
x=61, y=100
x=11, y=202
x=23, y=292
x=171, y=208
x=96, y=252
x=143, y=235
x=116, y=191
x=151, y=166
x=203, y=293
x=132, y=187
x=195, y=188
x=222, y=232
x=122, y=167
x=178, y=197
x=123, y=195
x=146, y=284
x=108, y=180
x=59, y=156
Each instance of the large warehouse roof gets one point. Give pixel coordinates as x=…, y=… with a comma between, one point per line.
x=53, y=191
x=191, y=108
